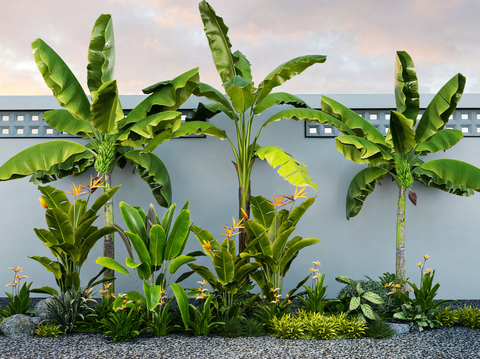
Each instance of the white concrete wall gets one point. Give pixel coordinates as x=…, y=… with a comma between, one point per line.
x=443, y=226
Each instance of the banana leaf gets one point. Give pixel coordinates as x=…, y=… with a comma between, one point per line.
x=407, y=97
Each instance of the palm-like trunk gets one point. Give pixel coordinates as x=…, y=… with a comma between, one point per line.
x=400, y=248
x=108, y=244
x=244, y=203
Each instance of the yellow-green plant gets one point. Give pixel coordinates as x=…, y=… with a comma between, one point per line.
x=469, y=317
x=48, y=330
x=316, y=293
x=287, y=327
x=448, y=317
x=71, y=234
x=321, y=327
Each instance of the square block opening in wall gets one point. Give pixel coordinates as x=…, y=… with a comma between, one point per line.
x=5, y=131
x=464, y=116
x=466, y=129
x=478, y=129
x=373, y=116
x=20, y=131
x=328, y=130
x=451, y=117
x=478, y=116
x=387, y=116
x=450, y=127
x=386, y=129
x=49, y=131
x=20, y=118
x=184, y=118
x=34, y=118
x=5, y=118
x=34, y=131
x=312, y=130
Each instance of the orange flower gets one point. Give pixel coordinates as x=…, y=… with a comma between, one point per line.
x=278, y=201
x=77, y=190
x=427, y=257
x=207, y=245
x=419, y=265
x=95, y=182
x=245, y=215
x=42, y=202
x=429, y=270
x=230, y=230
x=317, y=263
x=17, y=269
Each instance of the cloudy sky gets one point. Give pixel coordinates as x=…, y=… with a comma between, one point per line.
x=157, y=40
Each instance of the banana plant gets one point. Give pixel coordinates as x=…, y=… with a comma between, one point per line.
x=231, y=269
x=70, y=235
x=113, y=136
x=158, y=245
x=398, y=153
x=243, y=102
x=269, y=240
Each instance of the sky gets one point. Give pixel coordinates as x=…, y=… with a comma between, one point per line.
x=157, y=40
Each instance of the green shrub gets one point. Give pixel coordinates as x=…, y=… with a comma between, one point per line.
x=469, y=317
x=350, y=327
x=321, y=327
x=253, y=328
x=69, y=308
x=378, y=329
x=233, y=328
x=447, y=317
x=370, y=285
x=287, y=327
x=123, y=324
x=48, y=330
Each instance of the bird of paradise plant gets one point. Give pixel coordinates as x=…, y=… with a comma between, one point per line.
x=243, y=102
x=268, y=232
x=71, y=234
x=19, y=298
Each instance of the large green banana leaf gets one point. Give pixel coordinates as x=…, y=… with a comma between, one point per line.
x=441, y=141
x=360, y=150
x=401, y=136
x=211, y=93
x=152, y=295
x=440, y=108
x=39, y=157
x=199, y=127
x=46, y=236
x=279, y=98
x=63, y=121
x=354, y=121
x=457, y=172
x=288, y=167
x=140, y=248
x=285, y=72
x=407, y=97
x=50, y=265
x=430, y=179
x=218, y=40
x=361, y=186
x=310, y=115
x=240, y=92
x=279, y=243
x=205, y=273
x=101, y=53
x=243, y=67
x=179, y=261
x=295, y=215
x=60, y=79
x=243, y=271
x=167, y=95
x=153, y=171
x=106, y=110
x=91, y=240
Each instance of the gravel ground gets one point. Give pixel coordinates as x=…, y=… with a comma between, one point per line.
x=439, y=343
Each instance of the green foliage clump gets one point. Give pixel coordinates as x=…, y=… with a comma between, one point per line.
x=447, y=317
x=48, y=330
x=69, y=308
x=370, y=285
x=350, y=327
x=266, y=312
x=469, y=317
x=159, y=324
x=123, y=324
x=287, y=327
x=378, y=329
x=321, y=327
x=253, y=328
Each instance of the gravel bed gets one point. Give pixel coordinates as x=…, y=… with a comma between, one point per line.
x=439, y=343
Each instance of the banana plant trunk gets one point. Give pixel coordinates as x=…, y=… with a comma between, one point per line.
x=108, y=244
x=400, y=248
x=244, y=203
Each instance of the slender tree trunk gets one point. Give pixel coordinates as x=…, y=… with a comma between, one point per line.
x=108, y=244
x=400, y=248
x=243, y=238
